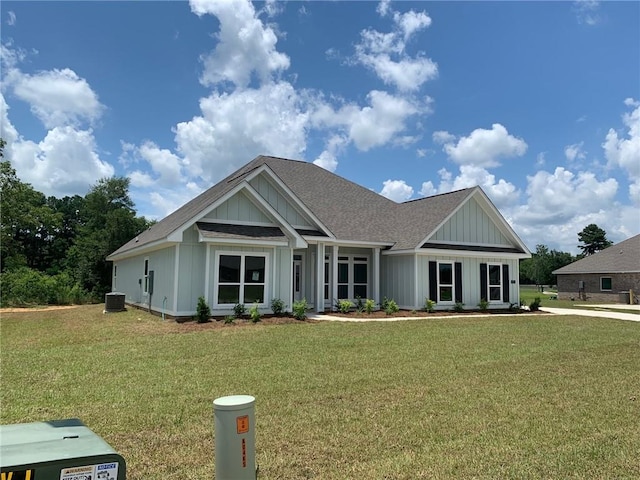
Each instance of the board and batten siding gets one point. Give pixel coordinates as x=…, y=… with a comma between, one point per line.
x=238, y=208
x=278, y=201
x=470, y=278
x=470, y=224
x=397, y=279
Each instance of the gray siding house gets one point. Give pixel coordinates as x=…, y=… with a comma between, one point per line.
x=604, y=275
x=288, y=229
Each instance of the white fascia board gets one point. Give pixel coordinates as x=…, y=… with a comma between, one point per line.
x=146, y=248
x=437, y=252
x=240, y=241
x=299, y=242
x=346, y=243
x=292, y=196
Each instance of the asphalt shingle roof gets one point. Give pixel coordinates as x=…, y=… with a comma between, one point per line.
x=348, y=210
x=623, y=257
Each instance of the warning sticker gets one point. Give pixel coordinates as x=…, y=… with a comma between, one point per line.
x=103, y=471
x=242, y=424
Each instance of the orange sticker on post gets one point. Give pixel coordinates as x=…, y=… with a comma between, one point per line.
x=242, y=424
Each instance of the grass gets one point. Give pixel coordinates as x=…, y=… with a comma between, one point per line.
x=500, y=397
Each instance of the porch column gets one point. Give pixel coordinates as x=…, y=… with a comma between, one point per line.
x=375, y=266
x=320, y=277
x=334, y=276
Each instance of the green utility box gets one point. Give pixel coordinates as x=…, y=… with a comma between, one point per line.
x=57, y=450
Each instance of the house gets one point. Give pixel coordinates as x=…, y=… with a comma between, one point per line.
x=601, y=277
x=288, y=229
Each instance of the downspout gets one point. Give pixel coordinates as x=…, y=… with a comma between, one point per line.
x=164, y=302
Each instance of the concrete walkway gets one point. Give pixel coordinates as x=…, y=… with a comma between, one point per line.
x=634, y=317
x=335, y=318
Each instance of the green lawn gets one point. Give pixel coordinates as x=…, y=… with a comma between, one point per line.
x=501, y=397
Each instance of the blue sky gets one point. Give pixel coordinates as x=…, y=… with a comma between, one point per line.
x=536, y=102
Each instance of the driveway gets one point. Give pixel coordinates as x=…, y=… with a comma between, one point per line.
x=634, y=317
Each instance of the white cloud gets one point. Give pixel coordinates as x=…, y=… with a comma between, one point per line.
x=385, y=53
x=164, y=163
x=64, y=163
x=575, y=151
x=7, y=131
x=442, y=137
x=245, y=46
x=11, y=20
x=587, y=11
x=396, y=190
x=328, y=158
x=57, y=97
x=483, y=148
x=237, y=126
x=428, y=189
x=625, y=152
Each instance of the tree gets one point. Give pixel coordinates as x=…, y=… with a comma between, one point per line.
x=538, y=268
x=593, y=239
x=110, y=222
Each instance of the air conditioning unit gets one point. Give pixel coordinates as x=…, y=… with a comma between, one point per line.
x=114, y=302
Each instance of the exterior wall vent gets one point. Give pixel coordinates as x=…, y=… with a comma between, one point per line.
x=114, y=302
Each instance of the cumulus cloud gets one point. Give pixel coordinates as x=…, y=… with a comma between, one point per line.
x=64, y=163
x=57, y=97
x=482, y=148
x=11, y=18
x=328, y=158
x=245, y=45
x=587, y=11
x=575, y=151
x=386, y=55
x=396, y=190
x=624, y=151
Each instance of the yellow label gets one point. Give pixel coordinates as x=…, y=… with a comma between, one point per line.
x=21, y=475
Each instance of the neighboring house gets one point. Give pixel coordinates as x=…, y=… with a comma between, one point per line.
x=291, y=230
x=602, y=276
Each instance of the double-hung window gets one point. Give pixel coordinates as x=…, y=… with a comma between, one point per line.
x=445, y=282
x=494, y=272
x=353, y=277
x=241, y=278
x=146, y=276
x=606, y=284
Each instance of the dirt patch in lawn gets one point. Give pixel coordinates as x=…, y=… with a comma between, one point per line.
x=36, y=309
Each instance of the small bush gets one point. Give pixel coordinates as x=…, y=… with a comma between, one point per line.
x=345, y=305
x=229, y=319
x=535, y=305
x=203, y=312
x=254, y=313
x=359, y=305
x=277, y=306
x=429, y=305
x=299, y=309
x=239, y=310
x=458, y=307
x=25, y=286
x=391, y=307
x=369, y=305
x=483, y=305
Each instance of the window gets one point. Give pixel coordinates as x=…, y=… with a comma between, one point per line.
x=146, y=275
x=606, y=283
x=115, y=276
x=445, y=282
x=495, y=282
x=326, y=277
x=353, y=277
x=241, y=279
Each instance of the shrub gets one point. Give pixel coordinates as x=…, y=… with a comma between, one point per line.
x=239, y=310
x=25, y=286
x=429, y=305
x=229, y=319
x=458, y=307
x=369, y=305
x=344, y=306
x=359, y=305
x=483, y=305
x=277, y=306
x=203, y=312
x=535, y=305
x=299, y=309
x=254, y=313
x=390, y=307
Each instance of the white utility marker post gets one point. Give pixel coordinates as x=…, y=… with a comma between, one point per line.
x=235, y=437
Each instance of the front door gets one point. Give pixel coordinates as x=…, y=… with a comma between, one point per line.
x=298, y=278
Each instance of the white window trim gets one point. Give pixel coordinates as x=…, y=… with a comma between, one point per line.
x=242, y=256
x=606, y=289
x=499, y=265
x=452, y=284
x=145, y=276
x=114, y=283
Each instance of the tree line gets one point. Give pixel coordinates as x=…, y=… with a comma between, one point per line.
x=53, y=250
x=537, y=269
